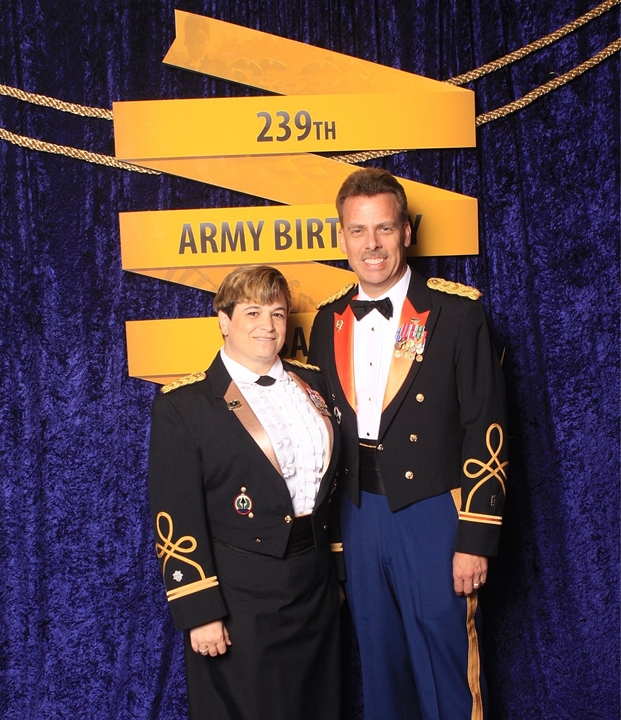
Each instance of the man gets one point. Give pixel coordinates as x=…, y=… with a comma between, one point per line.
x=419, y=392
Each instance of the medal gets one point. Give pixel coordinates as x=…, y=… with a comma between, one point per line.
x=242, y=503
x=318, y=401
x=410, y=340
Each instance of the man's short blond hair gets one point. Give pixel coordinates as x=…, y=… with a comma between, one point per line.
x=259, y=284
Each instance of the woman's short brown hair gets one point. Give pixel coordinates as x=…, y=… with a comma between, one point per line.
x=369, y=182
x=251, y=283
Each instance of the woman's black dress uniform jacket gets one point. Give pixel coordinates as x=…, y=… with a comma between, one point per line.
x=204, y=466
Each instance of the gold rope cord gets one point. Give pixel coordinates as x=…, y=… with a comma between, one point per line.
x=531, y=47
x=76, y=153
x=351, y=158
x=549, y=86
x=58, y=104
x=530, y=97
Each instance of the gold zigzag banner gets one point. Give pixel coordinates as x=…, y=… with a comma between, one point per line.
x=448, y=222
x=261, y=146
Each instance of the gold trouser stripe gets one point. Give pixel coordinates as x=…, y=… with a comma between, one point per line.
x=456, y=494
x=480, y=518
x=194, y=587
x=336, y=547
x=474, y=660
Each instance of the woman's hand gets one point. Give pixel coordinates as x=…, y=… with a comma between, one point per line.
x=210, y=639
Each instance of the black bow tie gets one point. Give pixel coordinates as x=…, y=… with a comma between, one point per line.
x=362, y=307
x=265, y=380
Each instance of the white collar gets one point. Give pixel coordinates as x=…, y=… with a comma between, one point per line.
x=241, y=374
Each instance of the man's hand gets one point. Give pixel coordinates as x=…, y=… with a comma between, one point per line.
x=210, y=639
x=469, y=572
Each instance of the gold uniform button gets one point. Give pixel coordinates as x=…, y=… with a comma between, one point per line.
x=413, y=438
x=380, y=447
x=287, y=519
x=420, y=397
x=325, y=527
x=258, y=540
x=419, y=358
x=251, y=515
x=409, y=475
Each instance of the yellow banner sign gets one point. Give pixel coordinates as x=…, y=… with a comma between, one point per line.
x=310, y=283
x=228, y=236
x=163, y=350
x=450, y=223
x=446, y=223
x=283, y=66
x=261, y=146
x=209, y=127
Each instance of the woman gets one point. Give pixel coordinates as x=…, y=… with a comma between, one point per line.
x=242, y=469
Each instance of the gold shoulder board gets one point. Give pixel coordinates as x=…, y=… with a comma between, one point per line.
x=306, y=366
x=454, y=288
x=186, y=380
x=337, y=295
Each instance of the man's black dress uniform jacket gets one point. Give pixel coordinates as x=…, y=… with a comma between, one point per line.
x=443, y=426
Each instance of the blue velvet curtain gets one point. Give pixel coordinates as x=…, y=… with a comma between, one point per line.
x=84, y=626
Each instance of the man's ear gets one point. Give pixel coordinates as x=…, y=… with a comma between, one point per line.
x=407, y=234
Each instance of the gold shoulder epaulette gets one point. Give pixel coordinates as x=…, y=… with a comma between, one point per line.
x=454, y=288
x=306, y=366
x=186, y=380
x=337, y=295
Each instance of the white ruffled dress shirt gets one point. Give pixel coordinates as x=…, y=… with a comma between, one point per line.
x=297, y=433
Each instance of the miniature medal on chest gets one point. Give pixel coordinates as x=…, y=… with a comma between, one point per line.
x=410, y=340
x=318, y=401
